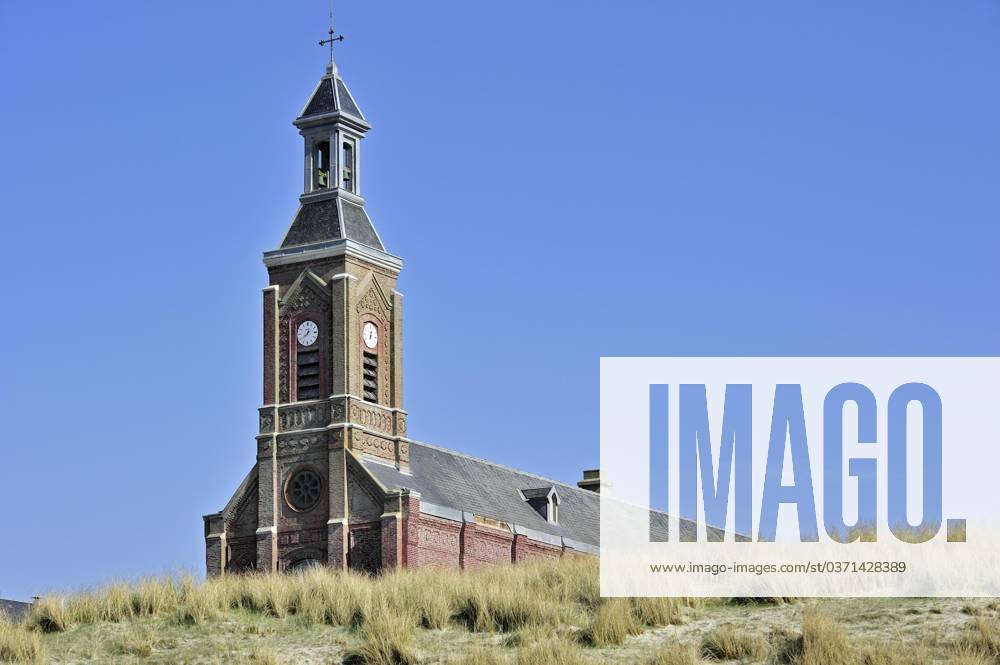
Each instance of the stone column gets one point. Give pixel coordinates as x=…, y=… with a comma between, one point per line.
x=391, y=531
x=336, y=525
x=267, y=530
x=267, y=493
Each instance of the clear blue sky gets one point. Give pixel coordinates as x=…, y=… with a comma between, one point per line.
x=564, y=180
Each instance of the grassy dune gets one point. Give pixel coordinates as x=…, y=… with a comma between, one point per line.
x=545, y=614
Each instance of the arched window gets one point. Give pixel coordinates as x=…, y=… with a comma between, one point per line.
x=302, y=565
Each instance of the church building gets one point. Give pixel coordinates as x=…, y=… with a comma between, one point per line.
x=336, y=480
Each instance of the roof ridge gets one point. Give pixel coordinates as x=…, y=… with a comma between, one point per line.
x=501, y=466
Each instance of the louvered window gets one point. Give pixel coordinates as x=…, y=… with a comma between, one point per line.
x=370, y=376
x=307, y=374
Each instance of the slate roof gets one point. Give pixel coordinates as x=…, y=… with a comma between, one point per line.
x=453, y=480
x=330, y=96
x=13, y=609
x=450, y=479
x=331, y=219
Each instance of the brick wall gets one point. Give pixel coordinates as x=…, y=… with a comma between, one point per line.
x=438, y=542
x=411, y=530
x=443, y=542
x=526, y=550
x=270, y=348
x=365, y=547
x=485, y=545
x=391, y=537
x=214, y=555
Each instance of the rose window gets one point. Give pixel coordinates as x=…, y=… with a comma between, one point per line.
x=303, y=489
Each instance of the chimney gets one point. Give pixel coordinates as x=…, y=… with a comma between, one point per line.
x=591, y=481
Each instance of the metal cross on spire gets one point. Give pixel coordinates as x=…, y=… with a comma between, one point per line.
x=331, y=39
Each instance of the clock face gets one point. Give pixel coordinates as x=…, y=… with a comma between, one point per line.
x=307, y=333
x=369, y=333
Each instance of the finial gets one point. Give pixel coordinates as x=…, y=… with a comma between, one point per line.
x=331, y=68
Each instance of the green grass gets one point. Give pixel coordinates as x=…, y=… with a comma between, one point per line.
x=549, y=613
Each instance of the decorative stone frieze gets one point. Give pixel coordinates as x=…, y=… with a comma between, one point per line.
x=300, y=444
x=371, y=417
x=303, y=416
x=375, y=446
x=266, y=419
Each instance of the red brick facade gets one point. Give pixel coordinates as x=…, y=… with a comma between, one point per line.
x=333, y=409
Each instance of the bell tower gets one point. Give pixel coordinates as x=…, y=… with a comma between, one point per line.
x=333, y=373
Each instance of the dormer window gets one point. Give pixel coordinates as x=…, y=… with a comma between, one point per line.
x=545, y=502
x=347, y=169
x=321, y=165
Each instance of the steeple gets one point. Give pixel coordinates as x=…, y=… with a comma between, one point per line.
x=332, y=209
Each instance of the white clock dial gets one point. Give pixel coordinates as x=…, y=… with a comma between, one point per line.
x=307, y=333
x=369, y=333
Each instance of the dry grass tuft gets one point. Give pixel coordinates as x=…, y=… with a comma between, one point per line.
x=551, y=652
x=674, y=654
x=261, y=655
x=824, y=641
x=886, y=654
x=18, y=644
x=135, y=643
x=116, y=604
x=613, y=621
x=731, y=643
x=49, y=615
x=657, y=612
x=429, y=593
x=386, y=637
x=493, y=607
x=967, y=656
x=198, y=603
x=982, y=637
x=479, y=656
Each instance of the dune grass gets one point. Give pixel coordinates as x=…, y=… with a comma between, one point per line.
x=730, y=643
x=824, y=641
x=18, y=644
x=674, y=654
x=538, y=614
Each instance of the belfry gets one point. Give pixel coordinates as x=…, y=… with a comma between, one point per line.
x=336, y=481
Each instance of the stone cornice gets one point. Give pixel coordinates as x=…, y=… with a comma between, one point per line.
x=331, y=249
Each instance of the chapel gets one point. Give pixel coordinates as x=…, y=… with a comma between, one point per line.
x=336, y=481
